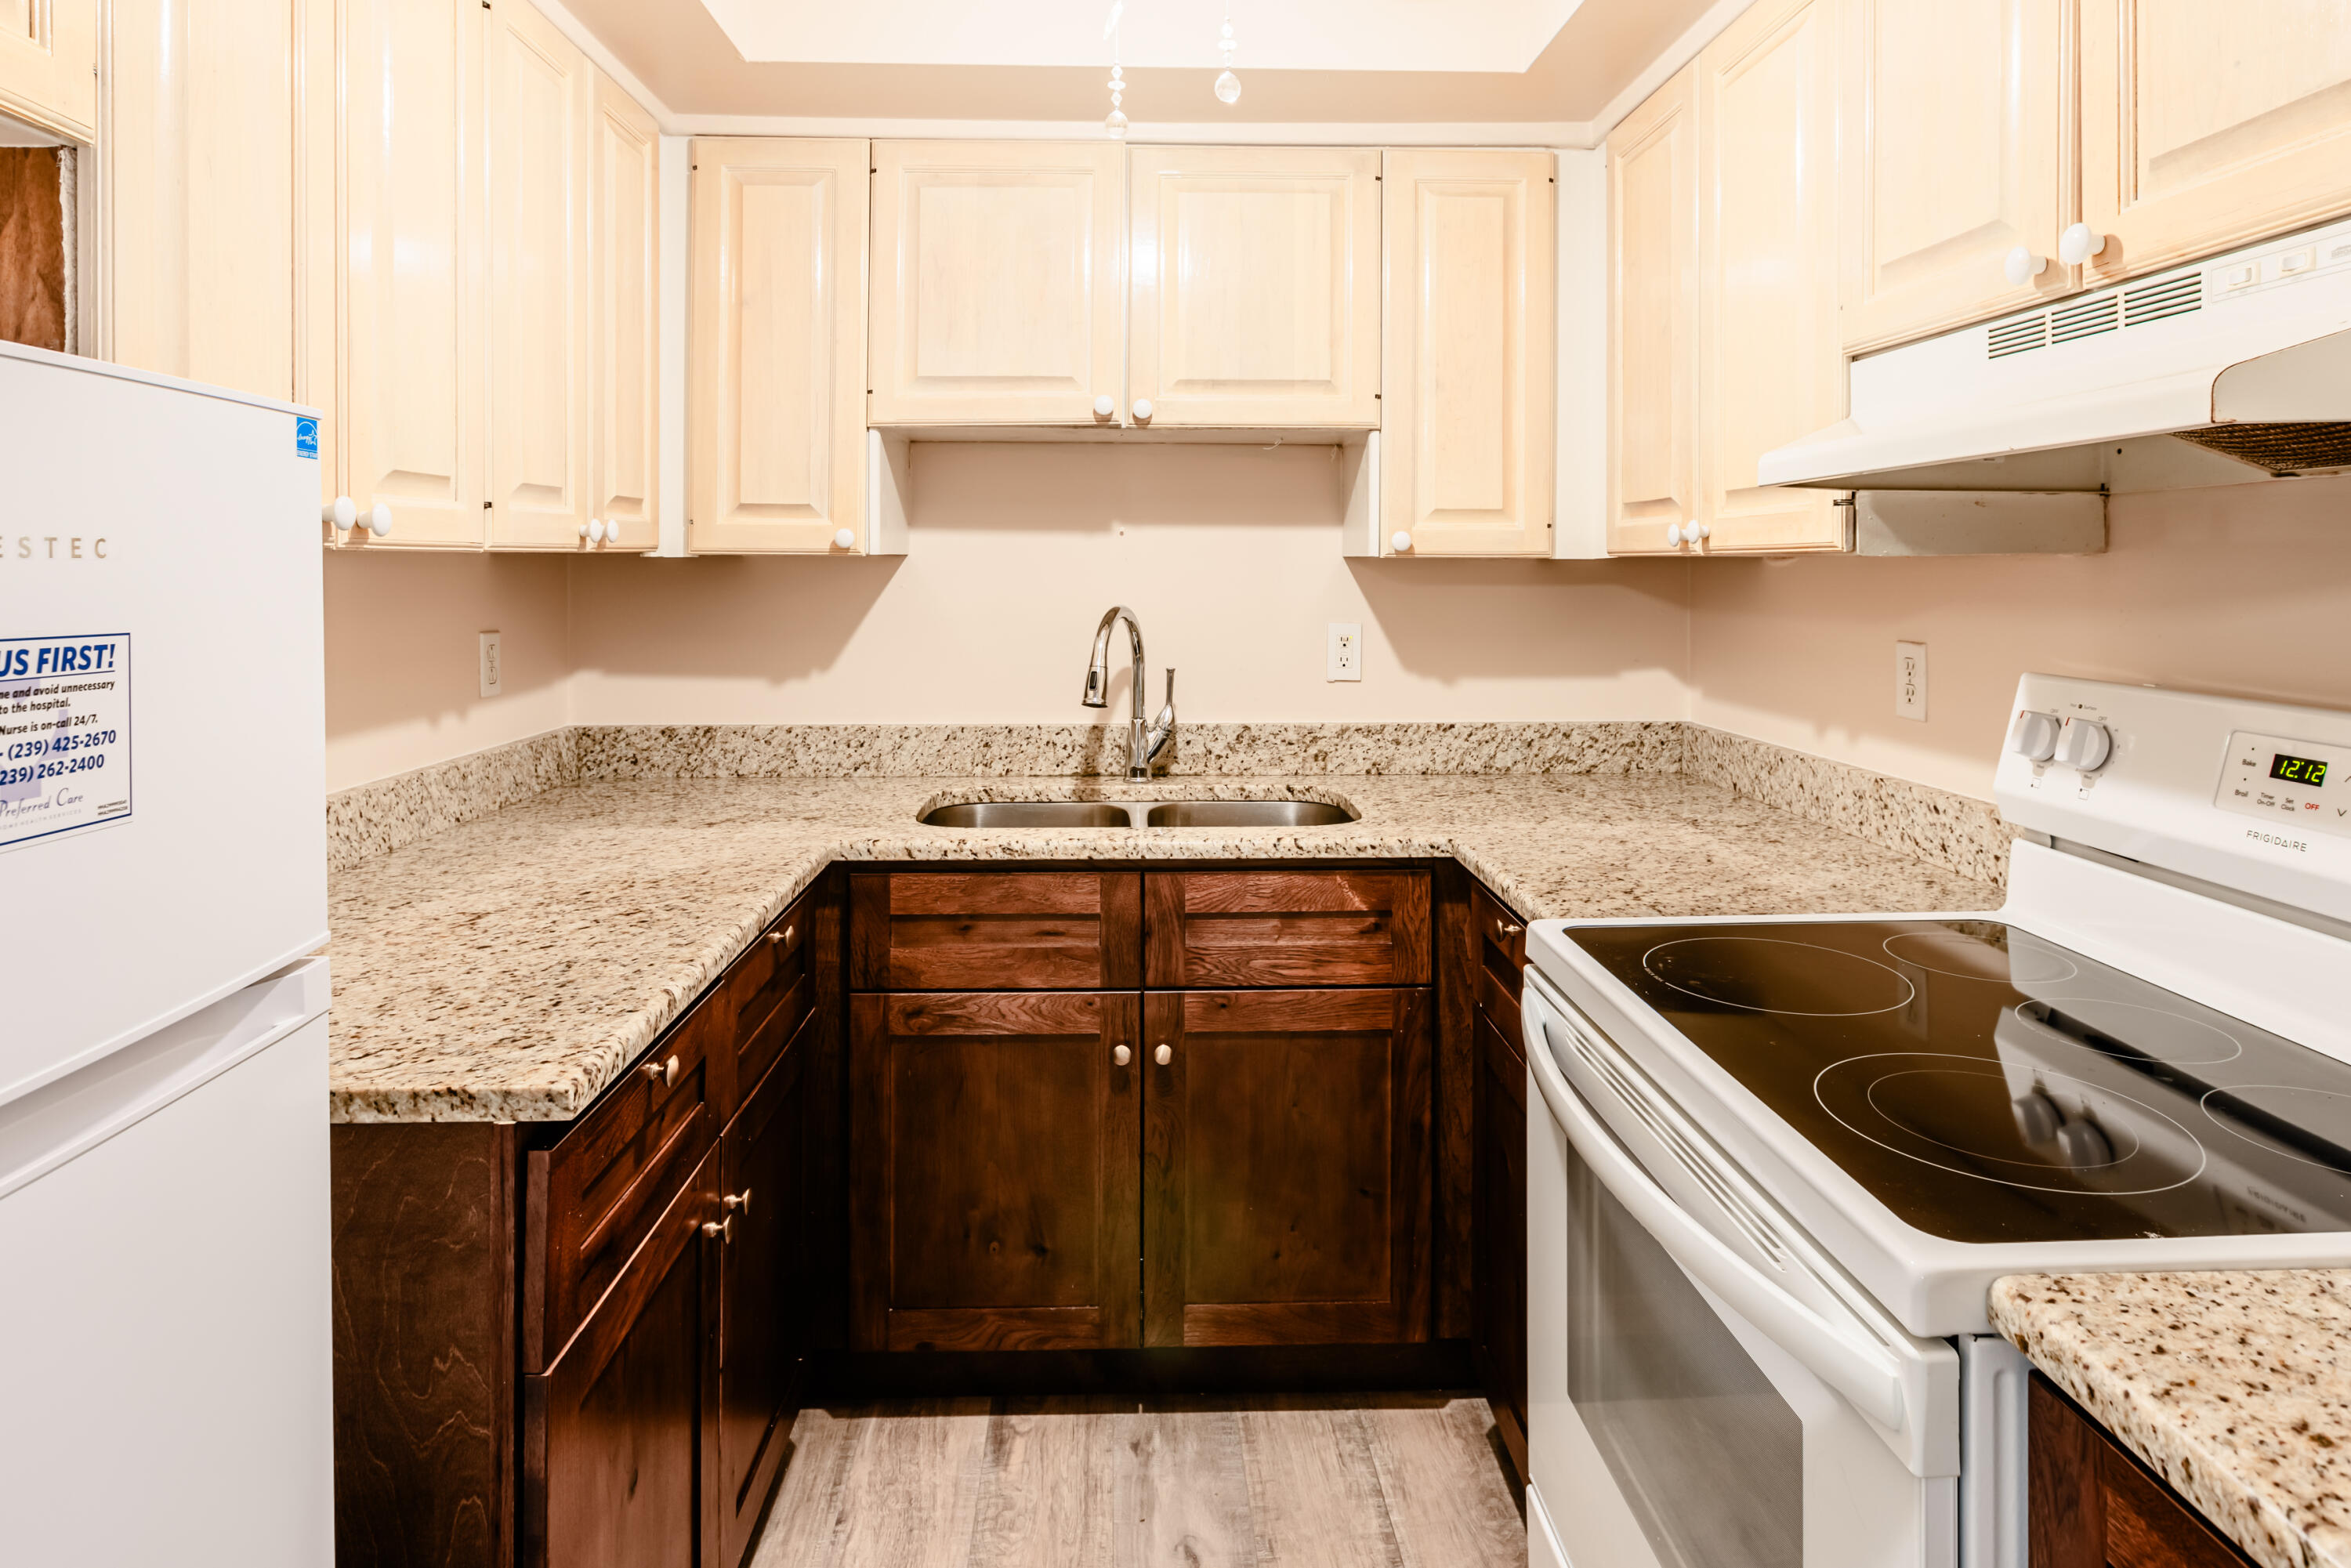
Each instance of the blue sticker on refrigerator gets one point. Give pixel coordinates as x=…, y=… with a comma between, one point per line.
x=65, y=735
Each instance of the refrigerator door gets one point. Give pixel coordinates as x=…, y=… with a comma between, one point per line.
x=161, y=704
x=165, y=1222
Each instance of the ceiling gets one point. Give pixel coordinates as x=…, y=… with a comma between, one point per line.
x=1522, y=63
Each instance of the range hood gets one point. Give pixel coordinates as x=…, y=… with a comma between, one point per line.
x=2219, y=372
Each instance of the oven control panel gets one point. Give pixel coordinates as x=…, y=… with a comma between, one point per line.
x=2305, y=782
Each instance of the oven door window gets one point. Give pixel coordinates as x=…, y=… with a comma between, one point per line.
x=1704, y=1452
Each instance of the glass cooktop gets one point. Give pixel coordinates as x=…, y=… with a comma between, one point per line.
x=1985, y=1085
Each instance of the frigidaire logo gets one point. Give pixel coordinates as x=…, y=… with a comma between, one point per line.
x=52, y=546
x=2302, y=844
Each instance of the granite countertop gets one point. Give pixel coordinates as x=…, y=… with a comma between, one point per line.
x=509, y=969
x=2234, y=1387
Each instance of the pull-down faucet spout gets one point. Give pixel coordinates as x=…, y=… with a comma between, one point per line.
x=1144, y=742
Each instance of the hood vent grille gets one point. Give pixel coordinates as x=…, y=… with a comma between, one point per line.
x=2026, y=332
x=2157, y=300
x=2099, y=314
x=2284, y=450
x=2086, y=318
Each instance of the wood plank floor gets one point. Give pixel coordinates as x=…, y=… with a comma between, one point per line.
x=1211, y=1481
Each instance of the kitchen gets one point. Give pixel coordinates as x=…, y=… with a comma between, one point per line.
x=834, y=1056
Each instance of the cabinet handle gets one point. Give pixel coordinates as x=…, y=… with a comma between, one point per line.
x=780, y=938
x=724, y=1229
x=1121, y=1055
x=741, y=1200
x=661, y=1072
x=1505, y=928
x=1163, y=1056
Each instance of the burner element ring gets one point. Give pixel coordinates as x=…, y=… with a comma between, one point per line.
x=1771, y=974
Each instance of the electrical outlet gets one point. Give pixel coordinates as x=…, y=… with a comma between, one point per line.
x=493, y=666
x=1910, y=680
x=1346, y=658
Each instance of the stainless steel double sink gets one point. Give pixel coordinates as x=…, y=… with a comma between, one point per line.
x=1138, y=814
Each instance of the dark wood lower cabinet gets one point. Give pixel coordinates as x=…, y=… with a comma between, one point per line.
x=2092, y=1505
x=1286, y=1174
x=993, y=1153
x=1501, y=1229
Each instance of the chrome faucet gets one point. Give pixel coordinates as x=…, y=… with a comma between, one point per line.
x=1144, y=742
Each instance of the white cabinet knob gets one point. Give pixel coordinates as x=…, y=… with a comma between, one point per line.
x=1121, y=1055
x=1143, y=411
x=2033, y=735
x=2022, y=266
x=378, y=520
x=1673, y=536
x=1400, y=542
x=1103, y=407
x=1163, y=1056
x=842, y=539
x=339, y=514
x=592, y=530
x=2084, y=744
x=1696, y=531
x=2079, y=243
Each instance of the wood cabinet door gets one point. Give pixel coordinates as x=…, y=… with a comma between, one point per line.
x=1955, y=151
x=49, y=64
x=961, y=930
x=624, y=319
x=1467, y=433
x=541, y=96
x=1769, y=369
x=1652, y=159
x=618, y=1434
x=999, y=297
x=1287, y=928
x=2207, y=127
x=763, y=1291
x=412, y=269
x=1286, y=1168
x=995, y=1150
x=1256, y=285
x=198, y=151
x=775, y=428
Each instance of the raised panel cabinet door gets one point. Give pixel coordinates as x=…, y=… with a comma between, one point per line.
x=995, y=1151
x=1286, y=1168
x=540, y=98
x=775, y=427
x=1769, y=368
x=624, y=319
x=618, y=1434
x=1956, y=150
x=1652, y=159
x=199, y=150
x=1468, y=434
x=49, y=64
x=411, y=318
x=2206, y=126
x=999, y=291
x=764, y=1291
x=1256, y=285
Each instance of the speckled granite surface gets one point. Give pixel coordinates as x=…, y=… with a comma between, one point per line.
x=509, y=967
x=2235, y=1387
x=377, y=818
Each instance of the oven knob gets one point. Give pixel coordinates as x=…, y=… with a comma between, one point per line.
x=2037, y=1117
x=2084, y=744
x=2083, y=1147
x=2033, y=735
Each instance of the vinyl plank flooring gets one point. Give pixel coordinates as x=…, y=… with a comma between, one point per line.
x=1381, y=1481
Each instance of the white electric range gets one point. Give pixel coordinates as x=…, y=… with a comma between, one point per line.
x=1786, y=1158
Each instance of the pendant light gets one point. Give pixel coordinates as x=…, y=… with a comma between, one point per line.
x=1228, y=85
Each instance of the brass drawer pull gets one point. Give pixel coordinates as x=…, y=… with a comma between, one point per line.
x=723, y=1230
x=661, y=1072
x=741, y=1200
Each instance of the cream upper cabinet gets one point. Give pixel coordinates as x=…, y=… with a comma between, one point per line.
x=1652, y=159
x=199, y=151
x=1956, y=126
x=998, y=293
x=1256, y=285
x=412, y=283
x=624, y=319
x=1467, y=432
x=49, y=64
x=1769, y=366
x=777, y=378
x=538, y=105
x=2205, y=126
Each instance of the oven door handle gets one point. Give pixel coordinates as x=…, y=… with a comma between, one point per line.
x=1862, y=1369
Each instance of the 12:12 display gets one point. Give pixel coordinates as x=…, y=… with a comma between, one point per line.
x=2298, y=770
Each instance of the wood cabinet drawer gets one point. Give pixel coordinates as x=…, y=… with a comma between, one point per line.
x=2090, y=1504
x=770, y=992
x=595, y=1195
x=1500, y=1008
x=1286, y=928
x=1501, y=939
x=995, y=931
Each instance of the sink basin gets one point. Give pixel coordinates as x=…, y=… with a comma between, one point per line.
x=1029, y=814
x=1245, y=814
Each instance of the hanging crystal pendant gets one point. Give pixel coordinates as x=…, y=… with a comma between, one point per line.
x=1115, y=121
x=1228, y=85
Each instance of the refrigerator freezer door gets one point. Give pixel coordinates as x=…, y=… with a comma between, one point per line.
x=161, y=706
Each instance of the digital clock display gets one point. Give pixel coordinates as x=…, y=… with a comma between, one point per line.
x=2297, y=769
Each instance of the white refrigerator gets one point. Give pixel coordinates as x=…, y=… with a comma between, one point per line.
x=165, y=1356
